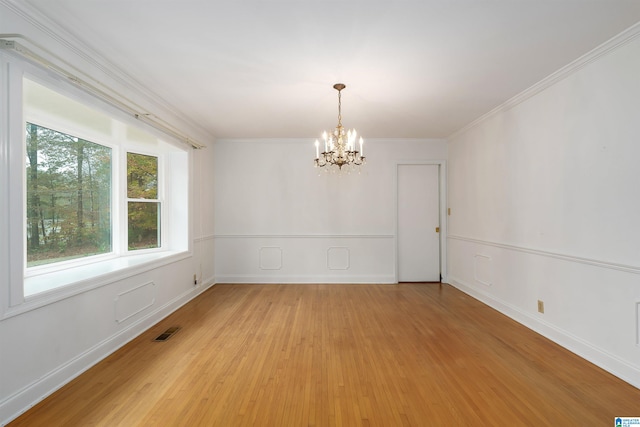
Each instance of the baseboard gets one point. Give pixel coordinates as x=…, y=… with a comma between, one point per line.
x=23, y=400
x=310, y=279
x=580, y=347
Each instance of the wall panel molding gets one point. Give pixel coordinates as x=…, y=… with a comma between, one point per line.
x=556, y=255
x=134, y=301
x=270, y=258
x=482, y=269
x=204, y=238
x=338, y=258
x=304, y=259
x=303, y=236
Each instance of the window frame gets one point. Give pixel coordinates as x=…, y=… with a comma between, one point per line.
x=64, y=128
x=160, y=200
x=79, y=275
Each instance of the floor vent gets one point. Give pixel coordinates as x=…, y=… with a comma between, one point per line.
x=168, y=333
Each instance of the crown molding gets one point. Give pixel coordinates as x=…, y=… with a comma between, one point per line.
x=94, y=59
x=605, y=48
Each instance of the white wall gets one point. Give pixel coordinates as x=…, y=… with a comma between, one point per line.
x=43, y=348
x=280, y=219
x=545, y=206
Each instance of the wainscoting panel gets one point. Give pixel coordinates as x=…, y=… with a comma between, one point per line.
x=338, y=258
x=270, y=258
x=482, y=272
x=305, y=259
x=134, y=301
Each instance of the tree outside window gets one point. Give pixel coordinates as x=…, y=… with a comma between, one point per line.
x=143, y=203
x=68, y=196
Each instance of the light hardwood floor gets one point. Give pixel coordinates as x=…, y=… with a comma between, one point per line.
x=346, y=355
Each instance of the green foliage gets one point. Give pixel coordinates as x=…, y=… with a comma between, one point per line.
x=68, y=196
x=143, y=216
x=142, y=176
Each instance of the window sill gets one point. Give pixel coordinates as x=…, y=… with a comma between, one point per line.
x=48, y=288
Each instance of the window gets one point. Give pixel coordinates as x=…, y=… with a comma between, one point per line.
x=143, y=204
x=100, y=192
x=68, y=197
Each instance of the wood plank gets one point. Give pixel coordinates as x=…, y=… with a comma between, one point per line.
x=332, y=355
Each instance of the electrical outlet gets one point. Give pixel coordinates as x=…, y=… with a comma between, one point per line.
x=195, y=279
x=540, y=306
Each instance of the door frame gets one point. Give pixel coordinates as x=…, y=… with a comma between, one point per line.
x=442, y=201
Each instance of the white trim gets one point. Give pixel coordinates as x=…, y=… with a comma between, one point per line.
x=605, y=48
x=5, y=190
x=582, y=348
x=564, y=257
x=96, y=61
x=306, y=279
x=16, y=210
x=303, y=236
x=310, y=140
x=203, y=238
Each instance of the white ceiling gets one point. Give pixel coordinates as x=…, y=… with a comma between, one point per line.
x=413, y=69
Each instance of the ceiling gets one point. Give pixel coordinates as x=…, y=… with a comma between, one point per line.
x=265, y=69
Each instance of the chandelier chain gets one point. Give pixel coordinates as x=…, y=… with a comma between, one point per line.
x=339, y=108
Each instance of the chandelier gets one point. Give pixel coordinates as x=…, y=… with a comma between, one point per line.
x=339, y=145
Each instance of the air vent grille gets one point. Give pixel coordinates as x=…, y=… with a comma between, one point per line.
x=167, y=334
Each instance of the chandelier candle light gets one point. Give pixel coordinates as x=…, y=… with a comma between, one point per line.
x=339, y=145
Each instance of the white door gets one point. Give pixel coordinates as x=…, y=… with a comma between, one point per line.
x=418, y=223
